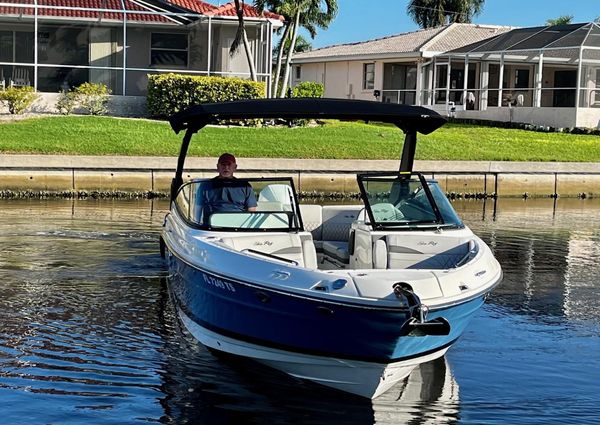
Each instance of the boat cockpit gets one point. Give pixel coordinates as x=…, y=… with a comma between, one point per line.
x=373, y=234
x=277, y=207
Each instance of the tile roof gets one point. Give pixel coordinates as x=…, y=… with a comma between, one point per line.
x=115, y=5
x=439, y=39
x=459, y=35
x=193, y=6
x=400, y=43
x=228, y=9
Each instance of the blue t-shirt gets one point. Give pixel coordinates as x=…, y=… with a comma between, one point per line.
x=225, y=195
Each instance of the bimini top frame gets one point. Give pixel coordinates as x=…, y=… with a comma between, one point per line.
x=410, y=119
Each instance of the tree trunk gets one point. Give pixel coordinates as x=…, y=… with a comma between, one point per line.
x=286, y=74
x=249, y=57
x=274, y=92
x=239, y=10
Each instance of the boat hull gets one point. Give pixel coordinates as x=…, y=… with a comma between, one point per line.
x=345, y=345
x=365, y=379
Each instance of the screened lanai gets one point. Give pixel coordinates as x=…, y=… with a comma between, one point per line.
x=544, y=75
x=53, y=45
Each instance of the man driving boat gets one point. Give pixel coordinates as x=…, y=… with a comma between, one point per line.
x=225, y=193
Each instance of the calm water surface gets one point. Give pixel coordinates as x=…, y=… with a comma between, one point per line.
x=88, y=335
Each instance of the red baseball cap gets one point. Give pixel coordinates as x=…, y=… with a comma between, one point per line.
x=226, y=157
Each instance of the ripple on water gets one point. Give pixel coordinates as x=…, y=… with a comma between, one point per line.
x=88, y=334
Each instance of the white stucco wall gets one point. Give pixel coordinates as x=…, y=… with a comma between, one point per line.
x=550, y=117
x=342, y=79
x=588, y=117
x=236, y=65
x=336, y=80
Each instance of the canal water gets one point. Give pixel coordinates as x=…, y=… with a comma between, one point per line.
x=88, y=335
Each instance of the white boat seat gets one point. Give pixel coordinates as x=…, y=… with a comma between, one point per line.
x=313, y=220
x=274, y=194
x=409, y=252
x=337, y=221
x=337, y=250
x=269, y=206
x=287, y=246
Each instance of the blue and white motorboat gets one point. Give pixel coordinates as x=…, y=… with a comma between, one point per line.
x=352, y=297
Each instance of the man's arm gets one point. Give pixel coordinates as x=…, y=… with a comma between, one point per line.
x=250, y=199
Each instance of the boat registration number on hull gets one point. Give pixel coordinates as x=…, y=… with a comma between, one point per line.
x=218, y=283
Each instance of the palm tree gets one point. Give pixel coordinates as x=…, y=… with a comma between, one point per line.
x=285, y=9
x=308, y=14
x=561, y=20
x=302, y=45
x=434, y=13
x=241, y=36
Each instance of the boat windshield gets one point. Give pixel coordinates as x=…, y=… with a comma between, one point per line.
x=265, y=204
x=406, y=201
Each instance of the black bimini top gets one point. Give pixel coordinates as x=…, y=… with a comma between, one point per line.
x=408, y=118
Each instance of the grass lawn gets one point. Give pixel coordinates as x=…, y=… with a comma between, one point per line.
x=88, y=135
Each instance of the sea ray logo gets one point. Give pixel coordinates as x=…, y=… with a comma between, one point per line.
x=480, y=273
x=430, y=243
x=263, y=243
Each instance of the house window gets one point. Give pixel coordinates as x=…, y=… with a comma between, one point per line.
x=16, y=46
x=169, y=50
x=368, y=76
x=298, y=72
x=399, y=83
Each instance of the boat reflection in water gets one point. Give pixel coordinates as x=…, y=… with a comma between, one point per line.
x=429, y=395
x=549, y=256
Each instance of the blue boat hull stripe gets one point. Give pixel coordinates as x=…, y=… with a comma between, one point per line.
x=300, y=350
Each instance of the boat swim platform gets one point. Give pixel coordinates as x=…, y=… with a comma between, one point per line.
x=63, y=173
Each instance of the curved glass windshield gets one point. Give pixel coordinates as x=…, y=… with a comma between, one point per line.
x=240, y=204
x=406, y=201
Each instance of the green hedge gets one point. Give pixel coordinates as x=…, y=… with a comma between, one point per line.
x=18, y=99
x=171, y=93
x=308, y=89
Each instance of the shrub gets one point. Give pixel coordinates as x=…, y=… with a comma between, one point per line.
x=66, y=102
x=171, y=93
x=18, y=99
x=308, y=89
x=93, y=97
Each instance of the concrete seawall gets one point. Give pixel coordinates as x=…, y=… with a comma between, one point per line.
x=60, y=173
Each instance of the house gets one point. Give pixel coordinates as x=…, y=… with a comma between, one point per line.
x=547, y=76
x=63, y=43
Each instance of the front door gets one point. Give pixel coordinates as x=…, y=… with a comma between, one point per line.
x=565, y=82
